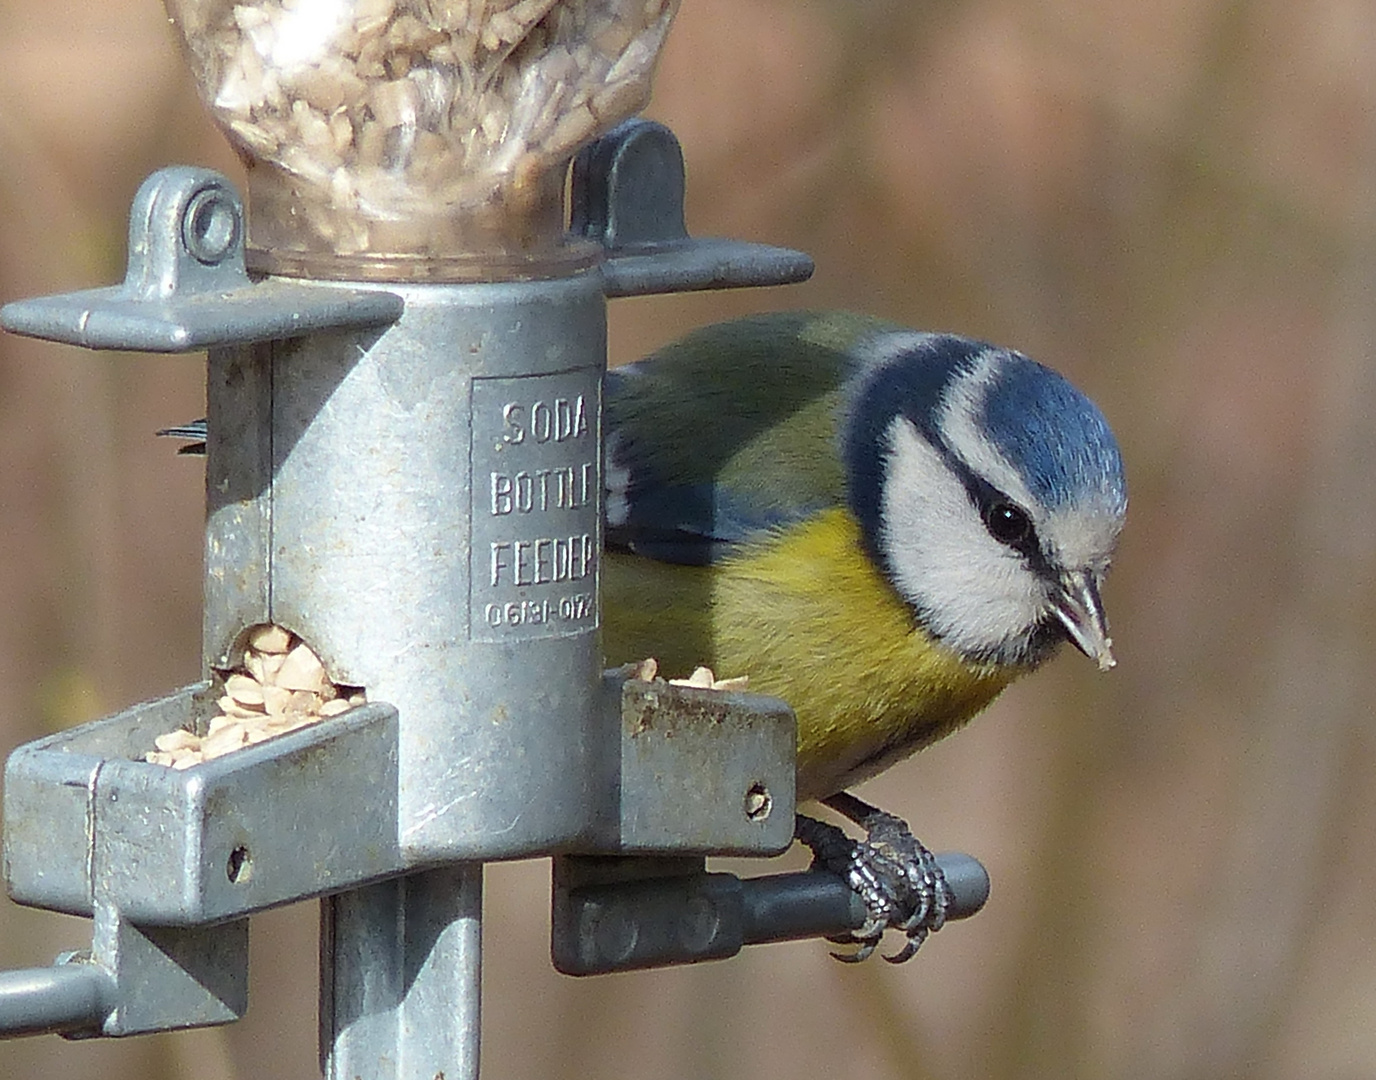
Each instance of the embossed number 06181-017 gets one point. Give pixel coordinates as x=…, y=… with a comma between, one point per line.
x=573, y=608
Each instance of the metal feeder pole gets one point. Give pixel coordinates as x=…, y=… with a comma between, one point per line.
x=428, y=517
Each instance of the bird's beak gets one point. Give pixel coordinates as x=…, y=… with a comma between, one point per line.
x=1076, y=603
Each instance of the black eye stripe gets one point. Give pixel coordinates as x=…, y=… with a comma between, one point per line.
x=1015, y=531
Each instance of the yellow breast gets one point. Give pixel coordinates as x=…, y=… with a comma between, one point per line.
x=805, y=614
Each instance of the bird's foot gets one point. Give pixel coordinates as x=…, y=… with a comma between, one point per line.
x=898, y=879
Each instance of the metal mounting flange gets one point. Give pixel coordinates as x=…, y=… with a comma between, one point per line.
x=185, y=287
x=627, y=195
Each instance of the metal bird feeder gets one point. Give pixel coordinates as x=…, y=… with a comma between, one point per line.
x=405, y=349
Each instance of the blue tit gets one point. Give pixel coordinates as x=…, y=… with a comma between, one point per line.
x=882, y=527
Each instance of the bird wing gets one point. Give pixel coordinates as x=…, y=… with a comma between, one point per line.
x=727, y=433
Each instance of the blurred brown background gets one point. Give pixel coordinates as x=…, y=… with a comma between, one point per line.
x=1174, y=202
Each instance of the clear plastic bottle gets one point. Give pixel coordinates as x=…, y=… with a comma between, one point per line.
x=416, y=139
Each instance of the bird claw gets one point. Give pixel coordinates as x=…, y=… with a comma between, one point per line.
x=896, y=878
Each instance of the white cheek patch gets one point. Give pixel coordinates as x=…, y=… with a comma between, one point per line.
x=975, y=594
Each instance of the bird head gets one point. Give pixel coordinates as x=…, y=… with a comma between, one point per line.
x=991, y=493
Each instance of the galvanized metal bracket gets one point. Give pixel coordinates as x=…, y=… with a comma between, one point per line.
x=171, y=862
x=185, y=287
x=314, y=811
x=620, y=914
x=627, y=195
x=88, y=820
x=169, y=977
x=133, y=980
x=700, y=771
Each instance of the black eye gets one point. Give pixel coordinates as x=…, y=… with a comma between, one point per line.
x=1007, y=524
